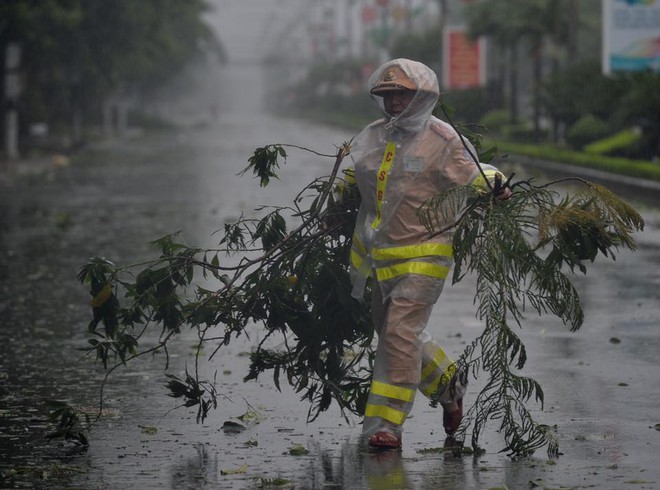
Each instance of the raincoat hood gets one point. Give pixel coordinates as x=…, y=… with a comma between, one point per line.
x=415, y=75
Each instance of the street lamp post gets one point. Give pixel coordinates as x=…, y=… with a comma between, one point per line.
x=385, y=34
x=12, y=92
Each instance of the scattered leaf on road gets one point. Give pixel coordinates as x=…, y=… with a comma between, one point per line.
x=298, y=450
x=233, y=426
x=241, y=470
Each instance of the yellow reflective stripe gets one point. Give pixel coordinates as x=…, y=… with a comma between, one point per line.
x=490, y=175
x=434, y=363
x=391, y=391
x=358, y=245
x=358, y=251
x=381, y=179
x=444, y=378
x=422, y=268
x=347, y=183
x=413, y=251
x=356, y=259
x=390, y=414
x=349, y=176
x=428, y=390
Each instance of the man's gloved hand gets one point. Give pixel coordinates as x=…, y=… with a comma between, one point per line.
x=502, y=191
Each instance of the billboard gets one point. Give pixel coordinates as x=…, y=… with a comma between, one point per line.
x=631, y=35
x=464, y=61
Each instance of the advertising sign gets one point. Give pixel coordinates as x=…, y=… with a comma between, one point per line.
x=464, y=61
x=631, y=35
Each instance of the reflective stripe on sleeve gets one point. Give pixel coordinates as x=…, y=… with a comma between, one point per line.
x=358, y=252
x=390, y=391
x=358, y=245
x=411, y=267
x=356, y=259
x=481, y=183
x=349, y=176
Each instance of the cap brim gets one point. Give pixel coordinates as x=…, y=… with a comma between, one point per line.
x=391, y=87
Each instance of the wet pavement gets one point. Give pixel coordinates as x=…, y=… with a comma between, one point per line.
x=602, y=387
x=601, y=384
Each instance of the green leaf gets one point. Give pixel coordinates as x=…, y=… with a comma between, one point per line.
x=298, y=450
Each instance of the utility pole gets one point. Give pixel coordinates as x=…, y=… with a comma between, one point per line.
x=573, y=23
x=349, y=28
x=408, y=16
x=385, y=29
x=443, y=14
x=12, y=91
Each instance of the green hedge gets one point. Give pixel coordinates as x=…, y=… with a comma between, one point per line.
x=634, y=168
x=621, y=140
x=585, y=130
x=496, y=120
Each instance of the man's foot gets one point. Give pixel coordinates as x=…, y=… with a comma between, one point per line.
x=385, y=440
x=452, y=416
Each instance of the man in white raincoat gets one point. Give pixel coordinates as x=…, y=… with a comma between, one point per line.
x=400, y=162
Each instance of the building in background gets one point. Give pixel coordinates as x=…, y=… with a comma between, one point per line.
x=463, y=60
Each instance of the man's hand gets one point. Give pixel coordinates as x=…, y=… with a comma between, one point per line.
x=502, y=191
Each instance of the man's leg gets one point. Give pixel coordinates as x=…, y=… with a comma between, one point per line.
x=399, y=323
x=439, y=371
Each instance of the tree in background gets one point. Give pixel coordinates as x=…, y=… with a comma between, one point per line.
x=420, y=46
x=547, y=29
x=76, y=53
x=581, y=89
x=640, y=106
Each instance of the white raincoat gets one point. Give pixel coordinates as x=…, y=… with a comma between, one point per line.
x=400, y=162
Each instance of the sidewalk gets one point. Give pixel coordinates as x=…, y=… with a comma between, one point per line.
x=31, y=166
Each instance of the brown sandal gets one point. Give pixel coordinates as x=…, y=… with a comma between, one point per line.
x=385, y=440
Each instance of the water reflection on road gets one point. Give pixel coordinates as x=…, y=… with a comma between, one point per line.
x=601, y=383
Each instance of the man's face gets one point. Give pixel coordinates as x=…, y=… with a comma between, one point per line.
x=395, y=102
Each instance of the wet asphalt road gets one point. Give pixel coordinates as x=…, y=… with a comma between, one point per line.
x=601, y=384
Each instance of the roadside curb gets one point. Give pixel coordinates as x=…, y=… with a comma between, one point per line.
x=642, y=188
x=31, y=166
x=44, y=162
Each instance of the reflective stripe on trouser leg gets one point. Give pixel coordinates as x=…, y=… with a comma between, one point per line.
x=397, y=366
x=438, y=370
x=387, y=407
